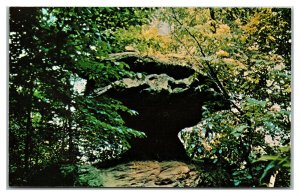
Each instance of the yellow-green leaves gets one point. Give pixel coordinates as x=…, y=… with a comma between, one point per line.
x=222, y=53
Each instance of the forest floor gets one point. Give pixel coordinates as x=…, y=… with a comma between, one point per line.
x=151, y=174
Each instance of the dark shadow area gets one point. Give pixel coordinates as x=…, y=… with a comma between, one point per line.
x=161, y=117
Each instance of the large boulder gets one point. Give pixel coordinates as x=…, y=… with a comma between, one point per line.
x=167, y=97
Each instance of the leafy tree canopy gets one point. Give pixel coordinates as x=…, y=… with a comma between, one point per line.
x=51, y=50
x=245, y=53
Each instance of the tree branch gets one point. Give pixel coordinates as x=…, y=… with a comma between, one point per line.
x=211, y=71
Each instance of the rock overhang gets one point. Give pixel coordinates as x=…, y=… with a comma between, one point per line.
x=167, y=98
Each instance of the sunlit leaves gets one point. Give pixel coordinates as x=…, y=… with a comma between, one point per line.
x=248, y=49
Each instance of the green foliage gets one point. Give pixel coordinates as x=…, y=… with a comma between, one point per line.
x=103, y=135
x=83, y=175
x=50, y=50
x=89, y=177
x=213, y=175
x=246, y=54
x=276, y=163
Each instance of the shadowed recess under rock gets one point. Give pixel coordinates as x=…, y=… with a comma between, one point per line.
x=161, y=117
x=167, y=99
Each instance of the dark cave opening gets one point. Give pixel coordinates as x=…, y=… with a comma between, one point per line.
x=161, y=117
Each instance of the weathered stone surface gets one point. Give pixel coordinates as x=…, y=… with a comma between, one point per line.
x=154, y=83
x=167, y=97
x=204, y=140
x=151, y=174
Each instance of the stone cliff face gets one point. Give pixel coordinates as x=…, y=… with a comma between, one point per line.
x=167, y=98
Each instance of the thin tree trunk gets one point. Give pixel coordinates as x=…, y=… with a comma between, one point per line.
x=71, y=142
x=28, y=140
x=70, y=131
x=246, y=146
x=272, y=179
